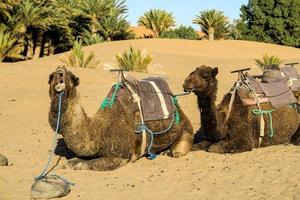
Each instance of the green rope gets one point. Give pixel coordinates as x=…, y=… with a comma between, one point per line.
x=109, y=102
x=113, y=97
x=175, y=103
x=269, y=112
x=104, y=103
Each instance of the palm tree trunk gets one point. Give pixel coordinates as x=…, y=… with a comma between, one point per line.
x=211, y=33
x=43, y=43
x=35, y=48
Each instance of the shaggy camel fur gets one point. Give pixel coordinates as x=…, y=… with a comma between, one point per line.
x=240, y=132
x=108, y=139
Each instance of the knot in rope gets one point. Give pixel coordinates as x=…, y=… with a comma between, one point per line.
x=109, y=102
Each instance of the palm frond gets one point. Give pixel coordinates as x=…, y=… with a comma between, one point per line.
x=267, y=62
x=76, y=57
x=134, y=60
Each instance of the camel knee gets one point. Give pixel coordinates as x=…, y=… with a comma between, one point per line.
x=182, y=145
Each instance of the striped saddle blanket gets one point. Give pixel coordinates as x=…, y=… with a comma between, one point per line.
x=277, y=92
x=152, y=96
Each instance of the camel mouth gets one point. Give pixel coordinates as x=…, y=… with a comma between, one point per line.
x=189, y=90
x=60, y=86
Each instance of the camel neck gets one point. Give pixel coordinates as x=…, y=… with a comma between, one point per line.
x=207, y=107
x=76, y=128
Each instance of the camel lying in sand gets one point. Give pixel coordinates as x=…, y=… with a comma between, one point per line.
x=240, y=131
x=108, y=139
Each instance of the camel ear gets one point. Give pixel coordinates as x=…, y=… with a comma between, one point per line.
x=215, y=71
x=74, y=79
x=51, y=76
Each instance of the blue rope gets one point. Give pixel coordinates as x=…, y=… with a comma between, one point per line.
x=143, y=127
x=43, y=174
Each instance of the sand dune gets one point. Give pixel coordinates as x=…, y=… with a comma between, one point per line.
x=266, y=173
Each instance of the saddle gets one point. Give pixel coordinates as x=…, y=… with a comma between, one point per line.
x=276, y=87
x=151, y=96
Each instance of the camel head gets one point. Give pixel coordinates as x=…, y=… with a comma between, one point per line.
x=202, y=80
x=62, y=80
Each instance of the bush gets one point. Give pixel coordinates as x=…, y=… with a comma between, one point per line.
x=76, y=57
x=268, y=62
x=182, y=32
x=133, y=60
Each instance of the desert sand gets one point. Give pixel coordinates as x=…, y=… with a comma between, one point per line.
x=265, y=173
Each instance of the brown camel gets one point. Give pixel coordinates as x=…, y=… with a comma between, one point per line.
x=239, y=131
x=108, y=140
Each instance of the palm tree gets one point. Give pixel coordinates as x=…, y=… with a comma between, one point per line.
x=5, y=7
x=113, y=26
x=157, y=20
x=9, y=46
x=213, y=23
x=95, y=10
x=35, y=19
x=106, y=16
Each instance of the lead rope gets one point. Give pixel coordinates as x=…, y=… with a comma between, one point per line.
x=44, y=173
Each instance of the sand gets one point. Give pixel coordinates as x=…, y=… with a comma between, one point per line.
x=265, y=173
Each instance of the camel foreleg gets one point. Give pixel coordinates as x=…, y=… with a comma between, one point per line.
x=98, y=164
x=183, y=144
x=296, y=137
x=236, y=145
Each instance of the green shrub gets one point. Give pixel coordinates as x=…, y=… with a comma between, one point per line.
x=182, y=32
x=133, y=60
x=10, y=48
x=268, y=62
x=76, y=57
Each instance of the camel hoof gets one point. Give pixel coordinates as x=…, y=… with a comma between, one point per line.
x=76, y=164
x=177, y=154
x=216, y=148
x=49, y=188
x=204, y=145
x=3, y=160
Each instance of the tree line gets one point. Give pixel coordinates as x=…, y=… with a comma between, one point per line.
x=35, y=28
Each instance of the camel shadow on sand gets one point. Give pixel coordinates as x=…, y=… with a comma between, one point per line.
x=62, y=150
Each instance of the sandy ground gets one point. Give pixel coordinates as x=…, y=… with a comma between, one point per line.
x=266, y=173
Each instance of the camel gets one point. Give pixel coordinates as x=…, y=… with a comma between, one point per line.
x=108, y=140
x=240, y=130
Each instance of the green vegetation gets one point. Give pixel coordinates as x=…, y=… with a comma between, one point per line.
x=133, y=60
x=268, y=62
x=43, y=27
x=182, y=32
x=213, y=23
x=157, y=20
x=272, y=21
x=9, y=46
x=76, y=57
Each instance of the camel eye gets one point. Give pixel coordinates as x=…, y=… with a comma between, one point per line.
x=205, y=76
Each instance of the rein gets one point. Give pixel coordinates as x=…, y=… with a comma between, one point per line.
x=44, y=172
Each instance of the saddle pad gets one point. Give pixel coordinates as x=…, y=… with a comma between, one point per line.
x=255, y=85
x=290, y=72
x=156, y=98
x=278, y=93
